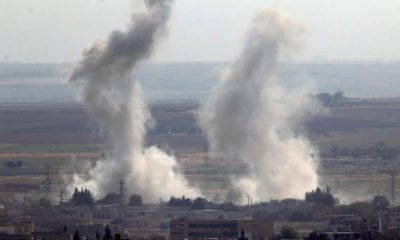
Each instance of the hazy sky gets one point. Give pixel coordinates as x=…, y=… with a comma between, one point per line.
x=201, y=30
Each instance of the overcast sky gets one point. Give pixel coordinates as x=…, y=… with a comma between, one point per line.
x=201, y=30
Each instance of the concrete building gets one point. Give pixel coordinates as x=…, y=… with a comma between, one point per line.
x=390, y=218
x=184, y=228
x=17, y=231
x=347, y=227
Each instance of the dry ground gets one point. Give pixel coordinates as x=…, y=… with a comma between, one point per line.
x=57, y=134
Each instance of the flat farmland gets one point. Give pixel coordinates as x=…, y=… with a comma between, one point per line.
x=37, y=134
x=358, y=126
x=69, y=128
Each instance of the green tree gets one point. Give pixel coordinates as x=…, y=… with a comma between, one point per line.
x=288, y=233
x=338, y=95
x=179, y=202
x=320, y=197
x=82, y=197
x=325, y=99
x=107, y=233
x=135, y=200
x=199, y=203
x=242, y=235
x=331, y=100
x=380, y=202
x=76, y=235
x=111, y=198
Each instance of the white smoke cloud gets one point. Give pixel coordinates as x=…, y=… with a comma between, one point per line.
x=250, y=119
x=114, y=98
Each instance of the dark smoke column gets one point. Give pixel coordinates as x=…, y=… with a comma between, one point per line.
x=113, y=97
x=250, y=119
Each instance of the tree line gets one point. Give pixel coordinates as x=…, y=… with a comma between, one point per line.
x=84, y=197
x=200, y=203
x=336, y=99
x=379, y=150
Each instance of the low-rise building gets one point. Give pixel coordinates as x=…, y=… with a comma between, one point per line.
x=17, y=231
x=184, y=228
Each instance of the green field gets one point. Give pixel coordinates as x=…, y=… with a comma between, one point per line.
x=359, y=139
x=65, y=132
x=62, y=148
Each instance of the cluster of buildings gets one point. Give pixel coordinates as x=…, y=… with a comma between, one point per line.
x=63, y=222
x=20, y=231
x=185, y=228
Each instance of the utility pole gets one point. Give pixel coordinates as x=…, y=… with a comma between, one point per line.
x=121, y=212
x=392, y=186
x=62, y=192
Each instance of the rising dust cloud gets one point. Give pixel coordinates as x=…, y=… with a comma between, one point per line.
x=250, y=119
x=114, y=98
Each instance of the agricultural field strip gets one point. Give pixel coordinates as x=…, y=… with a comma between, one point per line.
x=49, y=155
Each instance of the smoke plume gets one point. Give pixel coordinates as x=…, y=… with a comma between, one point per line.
x=114, y=98
x=251, y=119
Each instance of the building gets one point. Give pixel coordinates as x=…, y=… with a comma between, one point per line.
x=348, y=227
x=257, y=229
x=184, y=228
x=17, y=231
x=390, y=218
